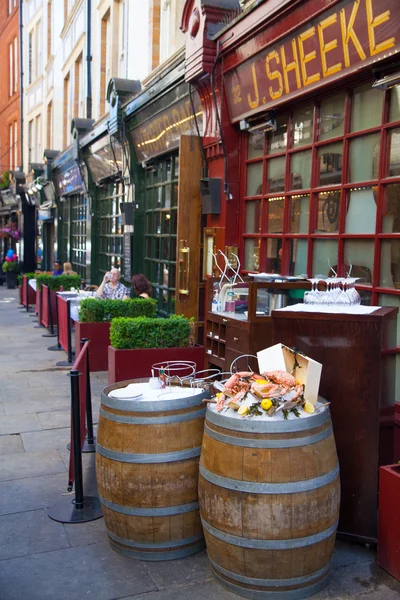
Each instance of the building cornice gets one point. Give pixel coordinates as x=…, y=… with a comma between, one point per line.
x=70, y=18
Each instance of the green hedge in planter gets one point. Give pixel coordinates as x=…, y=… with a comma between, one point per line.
x=56, y=282
x=27, y=275
x=94, y=310
x=174, y=332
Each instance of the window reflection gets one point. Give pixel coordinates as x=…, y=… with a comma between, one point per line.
x=300, y=170
x=366, y=109
x=364, y=158
x=331, y=118
x=303, y=126
x=255, y=147
x=298, y=257
x=254, y=179
x=275, y=215
x=360, y=254
x=277, y=140
x=328, y=212
x=274, y=255
x=276, y=175
x=361, y=211
x=330, y=164
x=325, y=256
x=299, y=214
x=394, y=160
x=253, y=217
x=251, y=254
x=391, y=209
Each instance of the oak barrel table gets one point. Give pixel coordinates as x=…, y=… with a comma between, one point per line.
x=147, y=463
x=269, y=495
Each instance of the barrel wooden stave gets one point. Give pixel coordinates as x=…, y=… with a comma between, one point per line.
x=244, y=529
x=147, y=470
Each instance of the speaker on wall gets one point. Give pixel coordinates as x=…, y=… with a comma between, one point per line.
x=210, y=190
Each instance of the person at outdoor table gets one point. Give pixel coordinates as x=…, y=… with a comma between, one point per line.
x=141, y=286
x=110, y=288
x=68, y=269
x=58, y=270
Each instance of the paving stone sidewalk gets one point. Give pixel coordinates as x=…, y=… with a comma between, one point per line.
x=44, y=560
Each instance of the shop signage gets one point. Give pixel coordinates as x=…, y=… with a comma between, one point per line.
x=127, y=256
x=160, y=133
x=68, y=181
x=344, y=39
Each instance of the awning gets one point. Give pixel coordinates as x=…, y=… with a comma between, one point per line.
x=8, y=202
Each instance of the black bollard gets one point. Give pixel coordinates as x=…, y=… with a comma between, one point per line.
x=68, y=362
x=51, y=325
x=81, y=509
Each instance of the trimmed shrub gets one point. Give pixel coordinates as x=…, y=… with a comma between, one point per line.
x=94, y=310
x=127, y=334
x=56, y=282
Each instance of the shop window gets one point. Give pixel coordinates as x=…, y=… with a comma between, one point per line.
x=299, y=214
x=394, y=157
x=328, y=205
x=298, y=257
x=360, y=255
x=274, y=255
x=361, y=211
x=330, y=159
x=392, y=300
x=366, y=109
x=394, y=112
x=390, y=264
x=254, y=179
x=277, y=140
x=251, y=254
x=391, y=209
x=300, y=170
x=253, y=217
x=255, y=145
x=276, y=175
x=331, y=117
x=303, y=126
x=325, y=256
x=364, y=158
x=275, y=214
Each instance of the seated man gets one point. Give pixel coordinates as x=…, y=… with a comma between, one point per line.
x=58, y=270
x=110, y=288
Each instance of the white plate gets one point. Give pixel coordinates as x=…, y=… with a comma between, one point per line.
x=130, y=392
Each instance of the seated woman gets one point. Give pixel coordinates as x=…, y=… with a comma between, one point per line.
x=110, y=288
x=57, y=268
x=141, y=286
x=68, y=269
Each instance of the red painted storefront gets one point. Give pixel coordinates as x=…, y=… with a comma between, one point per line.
x=323, y=189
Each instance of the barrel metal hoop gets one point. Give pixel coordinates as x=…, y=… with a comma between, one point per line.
x=153, y=420
x=275, y=443
x=164, y=511
x=270, y=544
x=299, y=594
x=268, y=582
x=154, y=405
x=250, y=425
x=270, y=488
x=163, y=457
x=170, y=544
x=158, y=556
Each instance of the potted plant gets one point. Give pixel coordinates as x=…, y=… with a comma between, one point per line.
x=50, y=283
x=10, y=268
x=95, y=317
x=136, y=344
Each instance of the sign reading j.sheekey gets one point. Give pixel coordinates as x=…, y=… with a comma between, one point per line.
x=344, y=39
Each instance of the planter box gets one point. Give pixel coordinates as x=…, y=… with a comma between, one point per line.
x=28, y=293
x=133, y=364
x=389, y=520
x=99, y=336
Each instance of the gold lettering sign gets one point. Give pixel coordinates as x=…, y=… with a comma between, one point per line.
x=349, y=36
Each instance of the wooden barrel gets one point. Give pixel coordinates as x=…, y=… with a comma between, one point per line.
x=147, y=463
x=269, y=495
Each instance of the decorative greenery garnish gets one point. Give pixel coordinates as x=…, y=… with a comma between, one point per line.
x=254, y=409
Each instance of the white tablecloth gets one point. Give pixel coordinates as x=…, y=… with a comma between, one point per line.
x=32, y=283
x=331, y=309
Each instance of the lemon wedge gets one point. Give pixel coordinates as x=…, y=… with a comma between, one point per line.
x=266, y=403
x=308, y=407
x=243, y=410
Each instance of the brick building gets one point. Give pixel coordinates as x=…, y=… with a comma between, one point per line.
x=9, y=86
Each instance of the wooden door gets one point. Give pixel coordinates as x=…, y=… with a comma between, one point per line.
x=189, y=235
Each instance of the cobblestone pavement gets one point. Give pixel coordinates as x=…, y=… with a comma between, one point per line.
x=44, y=560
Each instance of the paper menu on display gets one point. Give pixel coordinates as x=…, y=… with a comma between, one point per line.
x=281, y=358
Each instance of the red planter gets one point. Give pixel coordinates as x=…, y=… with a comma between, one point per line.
x=389, y=520
x=45, y=299
x=133, y=364
x=99, y=336
x=28, y=293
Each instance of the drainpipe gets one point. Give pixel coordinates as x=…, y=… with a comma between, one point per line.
x=88, y=59
x=21, y=85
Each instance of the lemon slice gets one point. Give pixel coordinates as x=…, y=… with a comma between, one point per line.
x=243, y=410
x=308, y=407
x=266, y=403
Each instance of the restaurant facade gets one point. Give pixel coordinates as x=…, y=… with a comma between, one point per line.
x=301, y=109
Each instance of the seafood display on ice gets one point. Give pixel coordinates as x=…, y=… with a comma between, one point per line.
x=268, y=393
